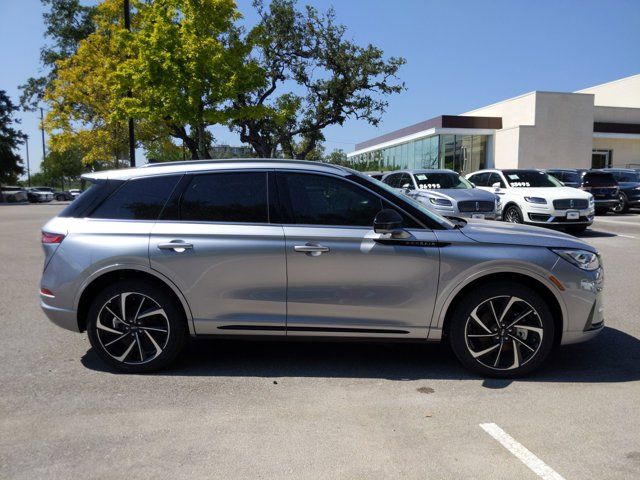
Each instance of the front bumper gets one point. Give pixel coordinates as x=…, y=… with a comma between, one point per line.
x=547, y=215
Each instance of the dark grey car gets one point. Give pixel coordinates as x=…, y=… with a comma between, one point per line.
x=148, y=256
x=446, y=192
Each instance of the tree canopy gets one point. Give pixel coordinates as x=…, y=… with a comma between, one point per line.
x=10, y=139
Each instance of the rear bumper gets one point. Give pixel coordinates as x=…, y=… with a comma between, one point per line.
x=608, y=203
x=62, y=317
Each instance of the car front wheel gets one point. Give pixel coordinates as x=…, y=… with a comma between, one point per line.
x=512, y=214
x=502, y=330
x=623, y=206
x=136, y=327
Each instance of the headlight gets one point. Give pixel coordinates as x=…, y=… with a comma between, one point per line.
x=443, y=202
x=538, y=200
x=582, y=259
x=591, y=200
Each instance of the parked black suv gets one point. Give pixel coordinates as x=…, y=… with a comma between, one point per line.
x=629, y=182
x=602, y=185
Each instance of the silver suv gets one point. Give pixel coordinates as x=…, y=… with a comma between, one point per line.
x=150, y=256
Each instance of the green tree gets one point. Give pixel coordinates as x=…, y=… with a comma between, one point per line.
x=10, y=139
x=337, y=157
x=336, y=80
x=67, y=22
x=64, y=167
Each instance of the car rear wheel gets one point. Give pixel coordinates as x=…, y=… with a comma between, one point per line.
x=502, y=330
x=512, y=214
x=623, y=206
x=136, y=327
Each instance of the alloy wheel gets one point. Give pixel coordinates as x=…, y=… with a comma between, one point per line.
x=512, y=215
x=619, y=208
x=503, y=333
x=132, y=328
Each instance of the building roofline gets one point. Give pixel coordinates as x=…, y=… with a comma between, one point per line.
x=608, y=83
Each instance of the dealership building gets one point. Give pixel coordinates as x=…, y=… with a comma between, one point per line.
x=596, y=127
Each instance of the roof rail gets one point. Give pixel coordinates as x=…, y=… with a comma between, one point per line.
x=230, y=160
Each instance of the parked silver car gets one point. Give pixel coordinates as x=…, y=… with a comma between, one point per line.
x=148, y=256
x=445, y=192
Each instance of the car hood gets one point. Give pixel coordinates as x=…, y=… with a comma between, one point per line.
x=514, y=234
x=550, y=193
x=459, y=194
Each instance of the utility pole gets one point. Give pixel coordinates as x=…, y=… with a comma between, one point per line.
x=26, y=142
x=132, y=140
x=44, y=151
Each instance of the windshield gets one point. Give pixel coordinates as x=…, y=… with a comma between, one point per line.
x=530, y=178
x=627, y=176
x=440, y=180
x=415, y=204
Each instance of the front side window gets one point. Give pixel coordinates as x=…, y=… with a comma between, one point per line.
x=530, y=178
x=393, y=180
x=310, y=199
x=405, y=181
x=480, y=179
x=495, y=178
x=439, y=180
x=137, y=199
x=230, y=197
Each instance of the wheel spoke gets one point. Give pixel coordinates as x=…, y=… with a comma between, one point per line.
x=116, y=339
x=116, y=316
x=157, y=311
x=511, y=301
x=480, y=335
x=522, y=343
x=484, y=352
x=519, y=318
x=153, y=329
x=493, y=310
x=155, y=344
x=138, y=311
x=139, y=347
x=474, y=315
x=123, y=301
x=537, y=330
x=127, y=351
x=101, y=326
x=516, y=355
x=495, y=364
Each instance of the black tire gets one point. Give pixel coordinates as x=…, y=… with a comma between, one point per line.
x=60, y=198
x=148, y=347
x=602, y=211
x=624, y=205
x=576, y=229
x=512, y=214
x=505, y=356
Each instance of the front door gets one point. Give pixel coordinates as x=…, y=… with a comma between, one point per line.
x=601, y=159
x=343, y=278
x=218, y=247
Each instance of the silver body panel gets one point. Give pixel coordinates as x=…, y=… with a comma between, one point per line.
x=251, y=278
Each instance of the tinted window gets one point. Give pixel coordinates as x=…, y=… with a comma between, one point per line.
x=234, y=197
x=479, y=179
x=393, y=180
x=91, y=197
x=495, y=178
x=627, y=176
x=598, y=179
x=322, y=200
x=138, y=199
x=438, y=180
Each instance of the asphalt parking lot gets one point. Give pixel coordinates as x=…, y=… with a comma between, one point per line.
x=311, y=410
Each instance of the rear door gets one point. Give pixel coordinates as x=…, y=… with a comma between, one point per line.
x=215, y=242
x=343, y=278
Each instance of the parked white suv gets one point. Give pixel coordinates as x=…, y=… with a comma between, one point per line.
x=533, y=196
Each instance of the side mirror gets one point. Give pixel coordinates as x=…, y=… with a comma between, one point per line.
x=473, y=184
x=496, y=185
x=387, y=221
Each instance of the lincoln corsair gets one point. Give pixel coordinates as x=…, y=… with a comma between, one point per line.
x=148, y=257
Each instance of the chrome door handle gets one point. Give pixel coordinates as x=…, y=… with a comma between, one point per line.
x=175, y=246
x=312, y=249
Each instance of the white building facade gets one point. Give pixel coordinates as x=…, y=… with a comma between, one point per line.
x=597, y=127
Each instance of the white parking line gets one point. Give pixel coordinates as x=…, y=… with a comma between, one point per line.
x=625, y=236
x=521, y=453
x=631, y=223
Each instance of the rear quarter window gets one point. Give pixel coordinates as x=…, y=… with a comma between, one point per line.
x=137, y=199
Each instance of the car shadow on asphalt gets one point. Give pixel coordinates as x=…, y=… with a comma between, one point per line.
x=594, y=234
x=613, y=356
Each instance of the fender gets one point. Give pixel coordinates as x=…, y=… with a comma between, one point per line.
x=141, y=268
x=435, y=330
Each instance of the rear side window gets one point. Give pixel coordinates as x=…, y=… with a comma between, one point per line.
x=137, y=199
x=310, y=199
x=234, y=197
x=89, y=199
x=479, y=179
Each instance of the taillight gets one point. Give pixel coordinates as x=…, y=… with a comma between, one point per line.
x=52, y=237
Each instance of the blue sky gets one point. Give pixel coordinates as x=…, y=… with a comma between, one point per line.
x=460, y=54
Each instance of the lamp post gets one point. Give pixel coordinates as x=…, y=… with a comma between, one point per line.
x=26, y=142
